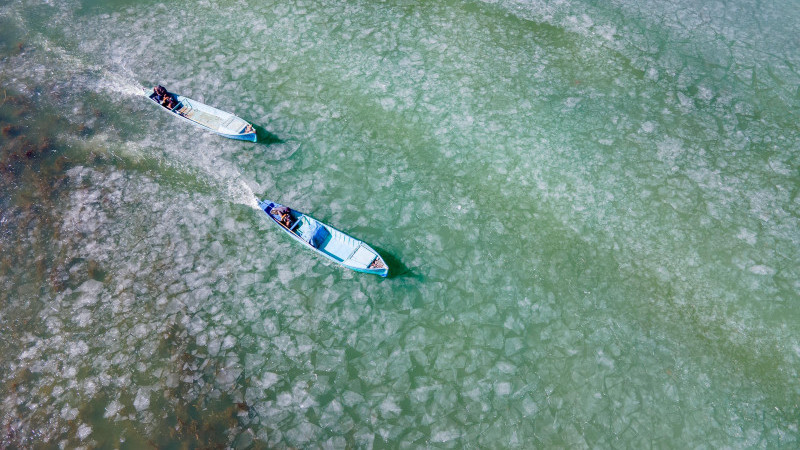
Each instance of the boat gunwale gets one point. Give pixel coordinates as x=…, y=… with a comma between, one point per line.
x=383, y=272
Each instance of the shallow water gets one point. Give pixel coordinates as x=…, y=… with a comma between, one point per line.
x=590, y=211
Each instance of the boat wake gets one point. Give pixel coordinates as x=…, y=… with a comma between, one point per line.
x=84, y=74
x=116, y=83
x=145, y=156
x=239, y=192
x=121, y=84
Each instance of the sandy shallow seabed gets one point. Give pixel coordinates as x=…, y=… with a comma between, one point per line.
x=590, y=212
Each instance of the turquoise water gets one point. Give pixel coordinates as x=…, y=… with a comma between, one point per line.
x=590, y=210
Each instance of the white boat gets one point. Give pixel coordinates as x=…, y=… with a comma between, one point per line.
x=326, y=240
x=207, y=117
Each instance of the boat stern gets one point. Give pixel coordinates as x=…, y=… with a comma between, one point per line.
x=266, y=205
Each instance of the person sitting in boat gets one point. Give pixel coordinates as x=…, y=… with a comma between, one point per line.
x=169, y=102
x=164, y=98
x=284, y=215
x=160, y=92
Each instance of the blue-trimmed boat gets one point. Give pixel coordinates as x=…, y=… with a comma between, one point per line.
x=325, y=240
x=207, y=117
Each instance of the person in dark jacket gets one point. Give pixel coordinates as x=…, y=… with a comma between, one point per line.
x=164, y=98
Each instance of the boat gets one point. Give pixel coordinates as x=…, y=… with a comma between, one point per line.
x=207, y=117
x=325, y=240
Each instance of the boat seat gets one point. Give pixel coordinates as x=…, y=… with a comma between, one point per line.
x=362, y=257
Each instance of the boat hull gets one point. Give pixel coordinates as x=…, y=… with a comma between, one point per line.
x=209, y=118
x=334, y=245
x=251, y=137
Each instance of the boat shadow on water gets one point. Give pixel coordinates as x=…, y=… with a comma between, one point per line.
x=396, y=268
x=265, y=137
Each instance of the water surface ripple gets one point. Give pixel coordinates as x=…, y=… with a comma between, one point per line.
x=591, y=210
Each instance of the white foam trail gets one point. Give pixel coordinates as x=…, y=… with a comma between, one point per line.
x=119, y=84
x=121, y=81
x=240, y=193
x=108, y=80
